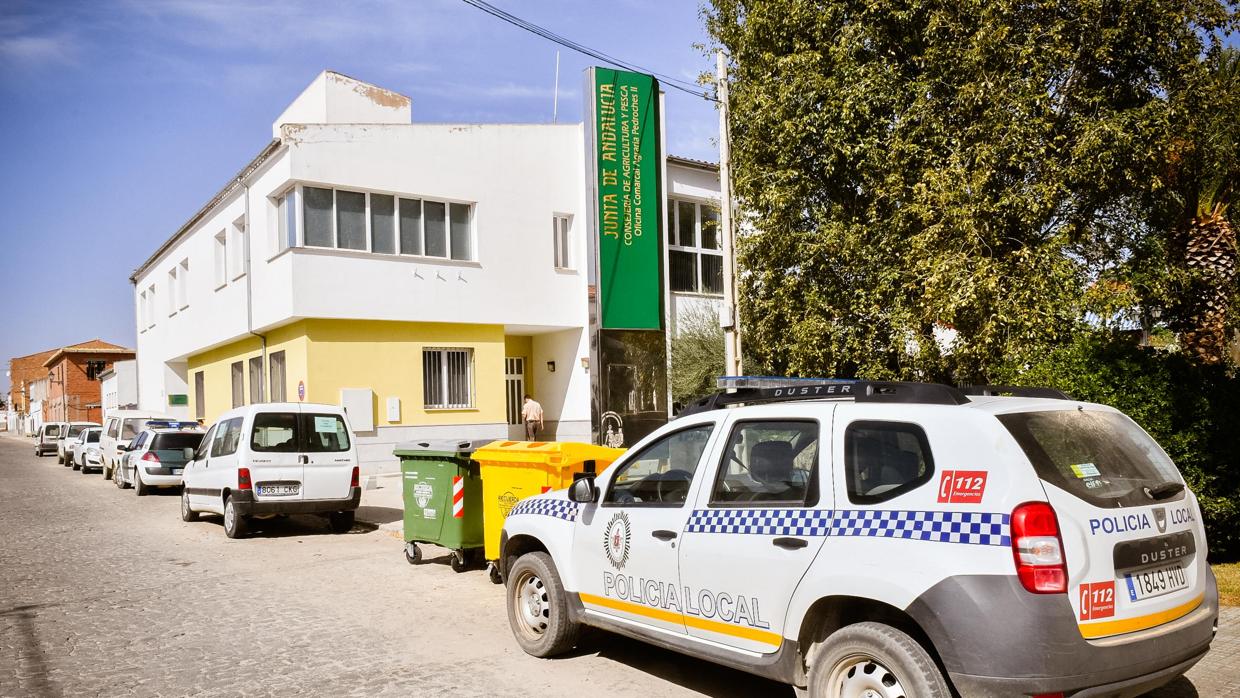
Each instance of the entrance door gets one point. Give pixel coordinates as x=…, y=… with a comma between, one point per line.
x=514, y=387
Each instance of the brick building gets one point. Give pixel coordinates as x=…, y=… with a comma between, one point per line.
x=23, y=371
x=73, y=391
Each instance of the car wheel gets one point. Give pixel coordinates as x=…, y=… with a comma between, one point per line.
x=120, y=484
x=234, y=523
x=187, y=513
x=139, y=487
x=342, y=521
x=872, y=659
x=538, y=608
x=77, y=467
x=60, y=459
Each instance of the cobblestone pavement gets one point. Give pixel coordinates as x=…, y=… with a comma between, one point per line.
x=106, y=594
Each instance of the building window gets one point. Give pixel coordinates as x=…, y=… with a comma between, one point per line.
x=172, y=288
x=256, y=380
x=238, y=250
x=383, y=224
x=238, y=384
x=200, y=397
x=142, y=311
x=276, y=368
x=560, y=240
x=150, y=306
x=694, y=255
x=286, y=222
x=447, y=378
x=183, y=285
x=221, y=258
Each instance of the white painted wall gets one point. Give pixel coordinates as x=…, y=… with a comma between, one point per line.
x=332, y=98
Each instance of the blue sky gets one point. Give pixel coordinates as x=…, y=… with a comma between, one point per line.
x=121, y=118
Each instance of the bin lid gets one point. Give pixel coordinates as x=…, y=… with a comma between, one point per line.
x=548, y=452
x=442, y=448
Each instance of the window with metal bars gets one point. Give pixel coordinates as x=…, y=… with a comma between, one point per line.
x=447, y=378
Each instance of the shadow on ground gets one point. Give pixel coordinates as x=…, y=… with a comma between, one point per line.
x=694, y=674
x=380, y=515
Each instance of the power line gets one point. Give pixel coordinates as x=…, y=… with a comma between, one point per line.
x=676, y=83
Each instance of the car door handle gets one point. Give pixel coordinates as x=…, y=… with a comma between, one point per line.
x=790, y=543
x=663, y=534
x=303, y=460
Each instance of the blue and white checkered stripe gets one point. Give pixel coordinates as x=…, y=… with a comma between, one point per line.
x=766, y=522
x=967, y=527
x=558, y=508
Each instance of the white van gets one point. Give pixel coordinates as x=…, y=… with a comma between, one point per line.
x=119, y=429
x=48, y=435
x=275, y=458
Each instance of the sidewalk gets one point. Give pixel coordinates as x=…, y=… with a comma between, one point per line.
x=382, y=504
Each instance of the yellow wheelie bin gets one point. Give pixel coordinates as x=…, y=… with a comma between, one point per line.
x=514, y=470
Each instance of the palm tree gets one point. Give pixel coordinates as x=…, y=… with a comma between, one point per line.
x=1207, y=170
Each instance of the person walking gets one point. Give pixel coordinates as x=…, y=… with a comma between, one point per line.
x=532, y=415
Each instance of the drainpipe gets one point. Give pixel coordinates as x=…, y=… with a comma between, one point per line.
x=249, y=295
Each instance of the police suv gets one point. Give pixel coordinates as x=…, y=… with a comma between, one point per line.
x=857, y=538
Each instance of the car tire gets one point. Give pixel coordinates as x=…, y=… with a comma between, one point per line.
x=60, y=459
x=187, y=513
x=341, y=521
x=139, y=487
x=538, y=607
x=77, y=467
x=120, y=483
x=872, y=659
x=234, y=523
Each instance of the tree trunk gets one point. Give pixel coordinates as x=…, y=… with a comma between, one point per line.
x=1210, y=259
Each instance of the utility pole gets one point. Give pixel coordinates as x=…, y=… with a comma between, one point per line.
x=728, y=317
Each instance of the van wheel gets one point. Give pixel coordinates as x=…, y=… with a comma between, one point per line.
x=872, y=659
x=538, y=609
x=234, y=523
x=341, y=521
x=60, y=459
x=187, y=514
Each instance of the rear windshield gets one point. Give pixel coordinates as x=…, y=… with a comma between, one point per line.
x=171, y=447
x=324, y=433
x=1101, y=457
x=76, y=429
x=51, y=430
x=274, y=432
x=290, y=432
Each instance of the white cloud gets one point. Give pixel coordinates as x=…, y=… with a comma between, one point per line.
x=38, y=50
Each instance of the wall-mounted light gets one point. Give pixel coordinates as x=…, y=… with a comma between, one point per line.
x=551, y=366
x=585, y=362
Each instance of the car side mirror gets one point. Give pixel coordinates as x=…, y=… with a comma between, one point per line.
x=188, y=453
x=122, y=447
x=582, y=491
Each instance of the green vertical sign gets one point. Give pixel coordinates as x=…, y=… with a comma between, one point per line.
x=626, y=116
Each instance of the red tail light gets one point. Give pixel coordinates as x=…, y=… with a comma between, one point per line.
x=353, y=479
x=1038, y=549
x=243, y=479
x=150, y=457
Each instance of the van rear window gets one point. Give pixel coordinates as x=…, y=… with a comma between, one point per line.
x=324, y=433
x=274, y=432
x=1101, y=457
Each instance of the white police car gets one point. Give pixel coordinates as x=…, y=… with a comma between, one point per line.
x=858, y=538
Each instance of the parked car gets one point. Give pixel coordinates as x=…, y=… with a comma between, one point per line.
x=68, y=436
x=276, y=458
x=90, y=456
x=76, y=450
x=882, y=539
x=157, y=456
x=49, y=434
x=120, y=428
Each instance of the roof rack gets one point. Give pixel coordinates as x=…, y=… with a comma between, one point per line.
x=1014, y=391
x=831, y=388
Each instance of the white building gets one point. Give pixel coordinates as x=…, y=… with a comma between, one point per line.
x=118, y=387
x=423, y=275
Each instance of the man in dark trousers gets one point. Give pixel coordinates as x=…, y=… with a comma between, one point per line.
x=532, y=415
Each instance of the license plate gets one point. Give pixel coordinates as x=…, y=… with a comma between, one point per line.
x=277, y=490
x=176, y=471
x=1157, y=581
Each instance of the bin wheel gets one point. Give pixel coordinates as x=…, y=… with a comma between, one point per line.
x=459, y=561
x=493, y=573
x=413, y=554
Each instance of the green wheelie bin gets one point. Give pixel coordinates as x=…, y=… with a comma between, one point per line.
x=442, y=492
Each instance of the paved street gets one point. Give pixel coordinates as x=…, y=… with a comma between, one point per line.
x=102, y=593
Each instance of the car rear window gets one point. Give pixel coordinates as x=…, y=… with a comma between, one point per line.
x=324, y=433
x=1101, y=457
x=51, y=430
x=274, y=432
x=171, y=447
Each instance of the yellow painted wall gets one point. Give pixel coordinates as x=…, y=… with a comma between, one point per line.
x=387, y=358
x=523, y=346
x=216, y=366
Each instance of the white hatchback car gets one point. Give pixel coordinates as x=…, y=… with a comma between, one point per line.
x=86, y=443
x=275, y=458
x=68, y=438
x=157, y=456
x=858, y=538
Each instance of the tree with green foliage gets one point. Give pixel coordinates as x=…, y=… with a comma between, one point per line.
x=697, y=354
x=912, y=166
